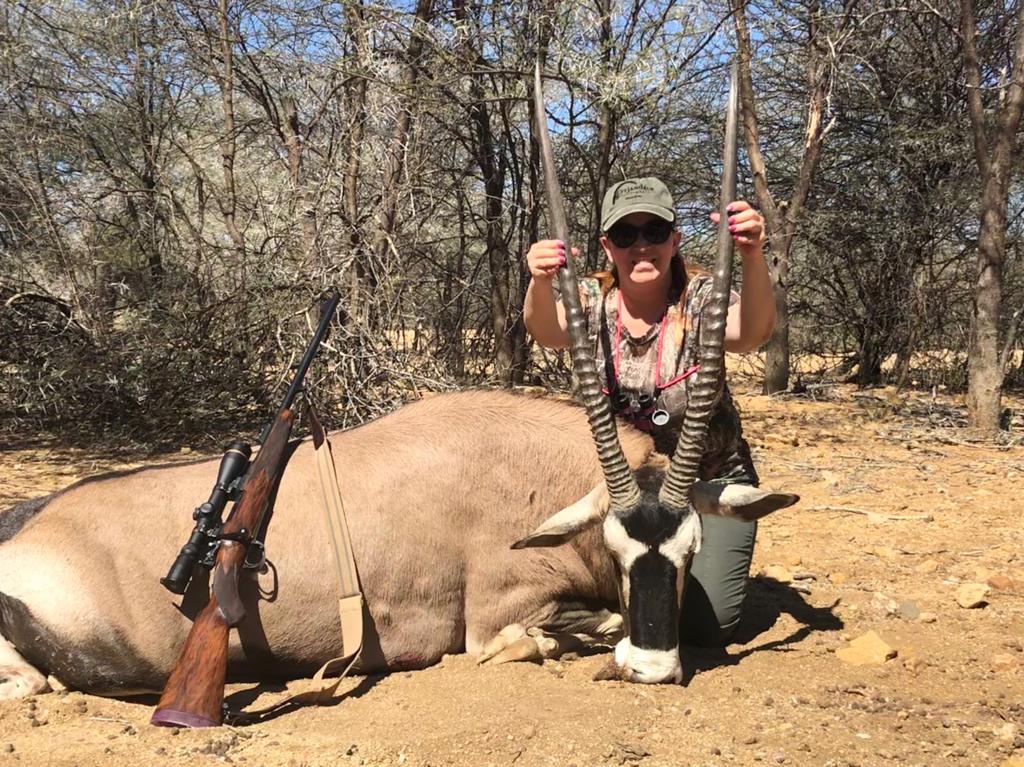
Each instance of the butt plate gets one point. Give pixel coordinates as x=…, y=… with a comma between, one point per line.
x=168, y=717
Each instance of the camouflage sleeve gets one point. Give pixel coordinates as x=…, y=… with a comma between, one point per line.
x=590, y=301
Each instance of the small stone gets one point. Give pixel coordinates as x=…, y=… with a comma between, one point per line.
x=927, y=617
x=716, y=751
x=55, y=684
x=778, y=573
x=9, y=748
x=831, y=478
x=928, y=566
x=185, y=450
x=750, y=740
x=913, y=664
x=866, y=649
x=883, y=602
x=971, y=596
x=1000, y=583
x=1004, y=662
x=909, y=610
x=1007, y=733
x=884, y=552
x=838, y=578
x=792, y=560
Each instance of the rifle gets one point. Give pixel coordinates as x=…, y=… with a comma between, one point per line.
x=194, y=693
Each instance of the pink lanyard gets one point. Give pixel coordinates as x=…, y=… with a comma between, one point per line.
x=661, y=345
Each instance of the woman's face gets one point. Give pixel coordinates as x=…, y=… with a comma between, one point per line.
x=641, y=264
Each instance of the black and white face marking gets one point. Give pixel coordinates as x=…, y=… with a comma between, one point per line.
x=652, y=547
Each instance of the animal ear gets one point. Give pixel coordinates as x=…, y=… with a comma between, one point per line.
x=569, y=522
x=739, y=501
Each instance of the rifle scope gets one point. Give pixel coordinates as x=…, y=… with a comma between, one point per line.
x=208, y=518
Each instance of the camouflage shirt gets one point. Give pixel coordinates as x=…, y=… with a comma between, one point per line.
x=661, y=363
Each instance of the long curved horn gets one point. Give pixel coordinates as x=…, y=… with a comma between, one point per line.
x=682, y=472
x=623, y=491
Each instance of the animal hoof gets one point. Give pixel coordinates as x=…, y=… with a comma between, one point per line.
x=511, y=633
x=612, y=627
x=20, y=682
x=522, y=649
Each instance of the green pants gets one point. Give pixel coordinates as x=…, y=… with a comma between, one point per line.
x=717, y=584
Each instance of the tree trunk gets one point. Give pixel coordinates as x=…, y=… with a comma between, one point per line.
x=984, y=375
x=994, y=156
x=607, y=119
x=229, y=199
x=304, y=206
x=356, y=103
x=776, y=360
x=781, y=219
x=492, y=167
x=400, y=134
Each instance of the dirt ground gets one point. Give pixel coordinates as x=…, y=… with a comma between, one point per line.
x=902, y=511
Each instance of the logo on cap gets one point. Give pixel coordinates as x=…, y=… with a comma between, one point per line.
x=630, y=190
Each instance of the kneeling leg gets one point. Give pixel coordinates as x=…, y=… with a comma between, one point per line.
x=18, y=679
x=553, y=633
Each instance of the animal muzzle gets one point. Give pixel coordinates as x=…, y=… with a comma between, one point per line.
x=636, y=664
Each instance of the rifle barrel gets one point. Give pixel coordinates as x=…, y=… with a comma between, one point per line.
x=326, y=315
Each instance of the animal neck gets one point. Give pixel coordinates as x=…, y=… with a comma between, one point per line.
x=593, y=553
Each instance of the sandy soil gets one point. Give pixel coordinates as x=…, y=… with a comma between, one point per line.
x=901, y=509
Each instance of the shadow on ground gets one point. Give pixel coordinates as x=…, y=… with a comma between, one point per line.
x=767, y=599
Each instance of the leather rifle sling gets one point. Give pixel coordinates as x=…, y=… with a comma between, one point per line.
x=350, y=600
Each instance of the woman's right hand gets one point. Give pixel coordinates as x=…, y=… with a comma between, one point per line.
x=545, y=258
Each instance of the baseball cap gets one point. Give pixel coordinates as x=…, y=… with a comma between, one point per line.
x=637, y=195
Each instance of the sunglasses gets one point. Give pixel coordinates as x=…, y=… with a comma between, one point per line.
x=654, y=232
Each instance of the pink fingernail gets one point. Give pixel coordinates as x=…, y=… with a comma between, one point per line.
x=732, y=228
x=562, y=261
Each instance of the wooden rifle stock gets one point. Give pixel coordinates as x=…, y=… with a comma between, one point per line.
x=194, y=693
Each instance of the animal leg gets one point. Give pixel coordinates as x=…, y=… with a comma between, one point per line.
x=17, y=678
x=517, y=643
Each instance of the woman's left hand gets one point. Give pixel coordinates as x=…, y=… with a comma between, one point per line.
x=747, y=227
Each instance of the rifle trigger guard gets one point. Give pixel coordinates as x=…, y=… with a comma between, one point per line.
x=261, y=564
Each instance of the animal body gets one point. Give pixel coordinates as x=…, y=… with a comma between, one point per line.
x=435, y=494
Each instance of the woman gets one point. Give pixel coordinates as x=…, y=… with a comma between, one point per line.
x=643, y=318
